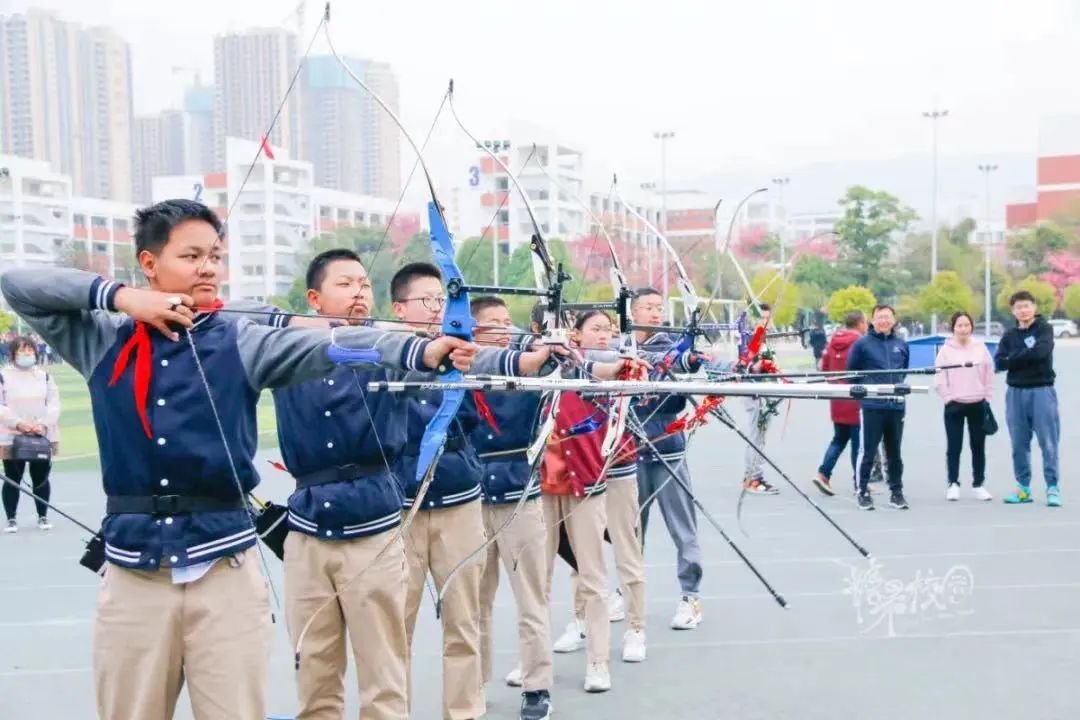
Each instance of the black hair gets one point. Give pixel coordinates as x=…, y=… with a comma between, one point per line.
x=536, y=314
x=404, y=277
x=316, y=269
x=883, y=306
x=1021, y=295
x=480, y=304
x=155, y=223
x=586, y=316
x=764, y=307
x=644, y=292
x=18, y=343
x=854, y=318
x=959, y=314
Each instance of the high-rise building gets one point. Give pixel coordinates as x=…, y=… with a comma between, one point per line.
x=65, y=98
x=384, y=141
x=199, y=129
x=252, y=71
x=159, y=149
x=352, y=143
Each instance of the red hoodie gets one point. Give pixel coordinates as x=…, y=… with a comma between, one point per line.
x=843, y=412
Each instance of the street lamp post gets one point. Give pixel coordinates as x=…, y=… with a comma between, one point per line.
x=780, y=183
x=663, y=137
x=495, y=146
x=934, y=116
x=986, y=170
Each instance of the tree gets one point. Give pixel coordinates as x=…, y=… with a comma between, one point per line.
x=812, y=297
x=771, y=287
x=1045, y=296
x=7, y=321
x=816, y=270
x=72, y=253
x=865, y=232
x=848, y=299
x=1031, y=247
x=946, y=294
x=1071, y=303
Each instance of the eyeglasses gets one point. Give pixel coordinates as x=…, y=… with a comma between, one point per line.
x=434, y=303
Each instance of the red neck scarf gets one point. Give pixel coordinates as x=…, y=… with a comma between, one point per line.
x=139, y=343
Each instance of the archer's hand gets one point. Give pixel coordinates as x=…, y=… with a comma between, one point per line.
x=157, y=309
x=625, y=368
x=532, y=362
x=461, y=353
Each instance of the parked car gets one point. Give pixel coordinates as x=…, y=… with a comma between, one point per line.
x=1064, y=328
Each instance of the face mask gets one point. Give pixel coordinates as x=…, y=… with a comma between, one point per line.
x=25, y=361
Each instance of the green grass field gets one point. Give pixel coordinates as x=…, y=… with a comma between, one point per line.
x=78, y=442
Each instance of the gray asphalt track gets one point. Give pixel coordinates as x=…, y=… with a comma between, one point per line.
x=970, y=612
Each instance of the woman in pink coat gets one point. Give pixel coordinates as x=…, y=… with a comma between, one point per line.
x=966, y=392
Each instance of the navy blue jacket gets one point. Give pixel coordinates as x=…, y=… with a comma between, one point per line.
x=186, y=454
x=333, y=422
x=1028, y=355
x=505, y=467
x=874, y=351
x=657, y=412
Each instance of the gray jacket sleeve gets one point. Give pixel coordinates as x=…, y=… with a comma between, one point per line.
x=276, y=357
x=258, y=312
x=68, y=308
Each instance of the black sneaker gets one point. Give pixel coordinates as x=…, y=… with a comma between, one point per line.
x=535, y=705
x=897, y=501
x=865, y=501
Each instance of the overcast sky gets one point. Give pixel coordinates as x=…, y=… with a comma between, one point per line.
x=755, y=87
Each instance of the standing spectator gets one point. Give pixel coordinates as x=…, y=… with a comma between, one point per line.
x=844, y=413
x=818, y=341
x=29, y=405
x=967, y=392
x=882, y=418
x=1026, y=352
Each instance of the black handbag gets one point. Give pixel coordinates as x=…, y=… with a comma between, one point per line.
x=989, y=423
x=31, y=447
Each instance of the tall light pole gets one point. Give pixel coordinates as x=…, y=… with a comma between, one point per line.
x=780, y=183
x=663, y=136
x=934, y=116
x=495, y=146
x=986, y=170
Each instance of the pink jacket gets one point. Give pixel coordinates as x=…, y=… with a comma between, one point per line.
x=965, y=385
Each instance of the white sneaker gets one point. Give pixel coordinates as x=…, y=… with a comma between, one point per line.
x=573, y=639
x=633, y=646
x=981, y=493
x=687, y=614
x=12, y=526
x=597, y=678
x=513, y=678
x=616, y=607
x=953, y=492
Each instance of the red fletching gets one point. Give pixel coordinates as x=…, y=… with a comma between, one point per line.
x=266, y=148
x=484, y=410
x=278, y=466
x=139, y=343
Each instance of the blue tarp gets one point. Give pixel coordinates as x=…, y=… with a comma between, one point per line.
x=924, y=349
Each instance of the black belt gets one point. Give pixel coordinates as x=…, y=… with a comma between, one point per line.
x=168, y=504
x=455, y=443
x=340, y=473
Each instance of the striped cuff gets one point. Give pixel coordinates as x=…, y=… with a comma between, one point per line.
x=279, y=319
x=412, y=356
x=510, y=363
x=103, y=294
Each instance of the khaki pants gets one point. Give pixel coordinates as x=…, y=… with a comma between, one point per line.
x=371, y=608
x=151, y=636
x=585, y=528
x=624, y=527
x=523, y=539
x=438, y=541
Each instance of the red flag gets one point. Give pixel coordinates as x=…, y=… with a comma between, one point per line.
x=266, y=149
